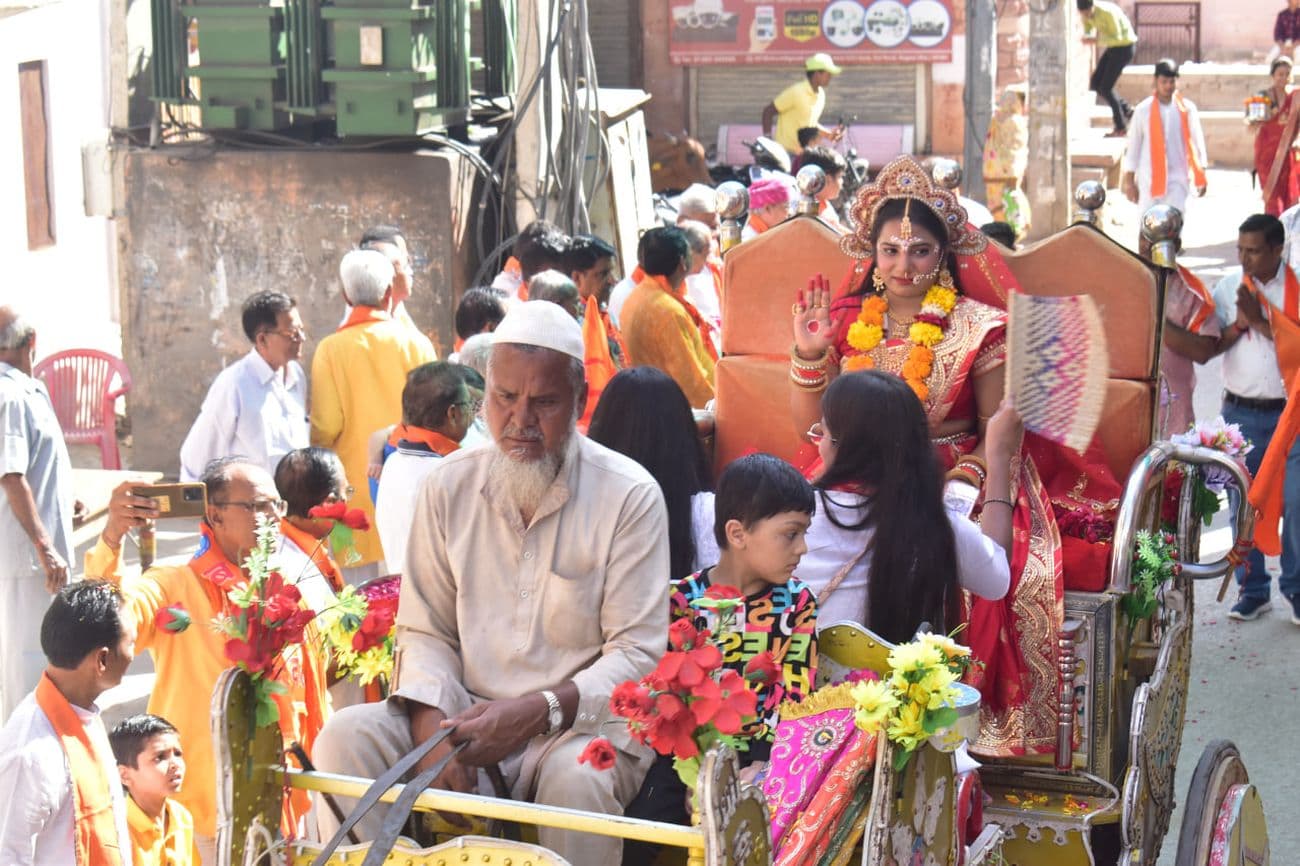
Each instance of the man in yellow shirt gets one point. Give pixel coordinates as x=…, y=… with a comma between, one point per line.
x=1106, y=24
x=661, y=328
x=188, y=660
x=357, y=376
x=800, y=105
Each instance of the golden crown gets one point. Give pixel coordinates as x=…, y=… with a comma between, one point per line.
x=905, y=178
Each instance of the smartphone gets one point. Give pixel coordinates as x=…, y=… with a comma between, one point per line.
x=186, y=499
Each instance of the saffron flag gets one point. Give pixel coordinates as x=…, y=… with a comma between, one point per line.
x=1266, y=487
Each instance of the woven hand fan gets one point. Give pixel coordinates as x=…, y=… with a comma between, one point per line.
x=1057, y=366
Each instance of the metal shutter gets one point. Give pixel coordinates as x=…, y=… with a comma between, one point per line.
x=614, y=27
x=737, y=94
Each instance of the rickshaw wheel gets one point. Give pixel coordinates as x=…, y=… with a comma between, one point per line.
x=1222, y=813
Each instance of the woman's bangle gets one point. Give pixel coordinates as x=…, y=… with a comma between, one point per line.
x=1007, y=502
x=815, y=365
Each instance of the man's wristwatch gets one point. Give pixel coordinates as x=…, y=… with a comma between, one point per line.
x=554, y=712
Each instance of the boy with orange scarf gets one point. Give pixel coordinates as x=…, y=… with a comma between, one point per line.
x=1166, y=146
x=188, y=660
x=63, y=802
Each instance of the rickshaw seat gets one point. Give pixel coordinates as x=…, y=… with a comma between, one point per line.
x=761, y=277
x=752, y=411
x=463, y=849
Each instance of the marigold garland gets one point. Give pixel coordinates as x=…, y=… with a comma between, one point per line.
x=925, y=333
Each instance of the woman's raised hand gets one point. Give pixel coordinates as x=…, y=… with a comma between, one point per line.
x=1005, y=432
x=814, y=332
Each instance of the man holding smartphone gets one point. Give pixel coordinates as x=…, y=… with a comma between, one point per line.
x=35, y=512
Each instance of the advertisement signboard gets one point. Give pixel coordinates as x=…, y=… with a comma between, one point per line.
x=775, y=32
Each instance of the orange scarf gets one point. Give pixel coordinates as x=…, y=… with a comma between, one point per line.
x=1197, y=288
x=757, y=224
x=94, y=830
x=318, y=550
x=600, y=363
x=360, y=315
x=1266, y=489
x=1158, y=169
x=704, y=326
x=438, y=444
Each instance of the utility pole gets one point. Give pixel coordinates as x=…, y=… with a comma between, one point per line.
x=534, y=30
x=1048, y=175
x=981, y=68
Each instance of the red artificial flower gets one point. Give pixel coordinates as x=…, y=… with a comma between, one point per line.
x=250, y=652
x=291, y=631
x=763, y=668
x=671, y=730
x=726, y=703
x=599, y=753
x=682, y=634
x=174, y=619
x=691, y=667
x=329, y=511
x=722, y=592
x=374, y=629
x=355, y=518
x=282, y=604
x=631, y=700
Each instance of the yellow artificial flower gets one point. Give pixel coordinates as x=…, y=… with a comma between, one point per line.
x=938, y=296
x=946, y=645
x=371, y=664
x=864, y=337
x=907, y=728
x=914, y=656
x=925, y=334
x=939, y=679
x=873, y=702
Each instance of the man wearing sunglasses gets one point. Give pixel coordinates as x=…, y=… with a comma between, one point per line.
x=257, y=406
x=189, y=661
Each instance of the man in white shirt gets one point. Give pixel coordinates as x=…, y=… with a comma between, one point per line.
x=1254, y=395
x=62, y=793
x=437, y=411
x=256, y=407
x=35, y=511
x=701, y=283
x=1165, y=116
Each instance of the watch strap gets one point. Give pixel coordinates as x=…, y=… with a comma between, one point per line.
x=554, y=713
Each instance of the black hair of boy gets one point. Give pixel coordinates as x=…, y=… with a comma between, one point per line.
x=1001, y=232
x=540, y=247
x=756, y=487
x=806, y=135
x=129, y=737
x=829, y=161
x=82, y=618
x=479, y=309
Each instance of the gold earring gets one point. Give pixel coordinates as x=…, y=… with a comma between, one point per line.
x=945, y=277
x=877, y=281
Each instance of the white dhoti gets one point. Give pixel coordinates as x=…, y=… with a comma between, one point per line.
x=366, y=740
x=23, y=602
x=1175, y=196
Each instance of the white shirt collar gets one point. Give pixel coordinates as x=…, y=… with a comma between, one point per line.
x=262, y=370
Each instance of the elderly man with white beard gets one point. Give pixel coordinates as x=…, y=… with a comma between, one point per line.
x=536, y=580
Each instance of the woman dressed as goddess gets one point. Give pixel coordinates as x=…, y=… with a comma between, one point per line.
x=903, y=311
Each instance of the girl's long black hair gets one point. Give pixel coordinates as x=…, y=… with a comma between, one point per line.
x=883, y=449
x=644, y=414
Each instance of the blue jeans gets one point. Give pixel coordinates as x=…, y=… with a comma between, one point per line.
x=1258, y=426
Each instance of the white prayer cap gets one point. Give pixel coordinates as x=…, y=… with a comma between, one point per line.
x=541, y=323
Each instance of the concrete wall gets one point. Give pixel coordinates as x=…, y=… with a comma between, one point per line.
x=68, y=289
x=669, y=109
x=203, y=230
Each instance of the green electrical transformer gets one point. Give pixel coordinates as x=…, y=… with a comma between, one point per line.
x=388, y=68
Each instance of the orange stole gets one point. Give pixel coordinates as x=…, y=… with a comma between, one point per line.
x=1266, y=489
x=438, y=444
x=94, y=829
x=599, y=362
x=1159, y=172
x=360, y=315
x=1197, y=288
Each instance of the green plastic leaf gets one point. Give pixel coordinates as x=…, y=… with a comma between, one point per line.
x=937, y=720
x=901, y=757
x=688, y=770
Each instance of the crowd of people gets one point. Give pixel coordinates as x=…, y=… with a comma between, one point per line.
x=546, y=499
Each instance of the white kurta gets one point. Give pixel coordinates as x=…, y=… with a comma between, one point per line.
x=36, y=817
x=1137, y=158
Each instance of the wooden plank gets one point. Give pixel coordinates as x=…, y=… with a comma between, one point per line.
x=36, y=154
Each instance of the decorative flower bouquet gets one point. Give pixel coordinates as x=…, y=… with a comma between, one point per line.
x=1212, y=480
x=918, y=699
x=690, y=702
x=1154, y=561
x=359, y=629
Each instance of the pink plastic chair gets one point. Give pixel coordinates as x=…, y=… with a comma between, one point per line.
x=80, y=382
